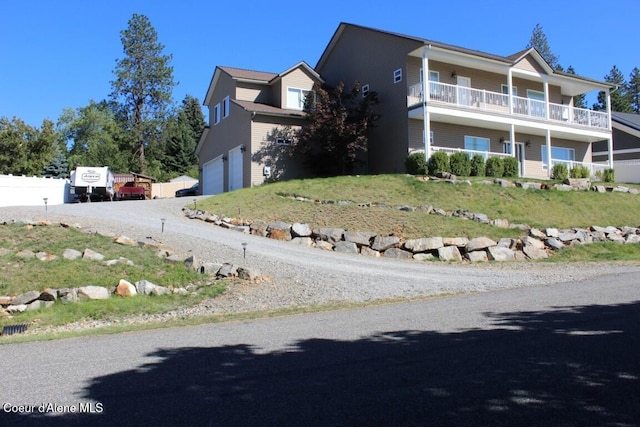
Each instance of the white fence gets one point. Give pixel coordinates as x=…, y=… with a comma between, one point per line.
x=627, y=171
x=32, y=191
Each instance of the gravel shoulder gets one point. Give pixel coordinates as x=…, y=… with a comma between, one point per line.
x=299, y=276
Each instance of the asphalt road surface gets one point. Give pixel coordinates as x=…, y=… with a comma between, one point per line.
x=557, y=355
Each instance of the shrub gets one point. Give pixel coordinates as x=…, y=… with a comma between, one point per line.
x=609, y=175
x=559, y=172
x=416, y=164
x=494, y=167
x=438, y=162
x=511, y=167
x=460, y=164
x=477, y=165
x=579, y=172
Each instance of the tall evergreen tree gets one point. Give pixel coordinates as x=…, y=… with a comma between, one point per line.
x=195, y=117
x=143, y=87
x=539, y=42
x=633, y=89
x=620, y=101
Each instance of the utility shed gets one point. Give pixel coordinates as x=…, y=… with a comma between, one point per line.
x=139, y=180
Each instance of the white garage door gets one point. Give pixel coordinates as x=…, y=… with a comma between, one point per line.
x=213, y=177
x=235, y=169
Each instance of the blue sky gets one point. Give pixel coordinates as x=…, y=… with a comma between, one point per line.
x=58, y=54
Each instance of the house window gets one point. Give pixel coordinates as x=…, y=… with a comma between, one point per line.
x=476, y=143
x=558, y=153
x=434, y=76
x=535, y=94
x=505, y=90
x=282, y=141
x=216, y=114
x=225, y=107
x=365, y=90
x=296, y=98
x=397, y=75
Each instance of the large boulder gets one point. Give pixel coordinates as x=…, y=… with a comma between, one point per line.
x=93, y=293
x=449, y=253
x=125, y=289
x=90, y=254
x=300, y=230
x=329, y=234
x=479, y=243
x=360, y=238
x=424, y=244
x=382, y=243
x=500, y=253
x=346, y=247
x=26, y=298
x=397, y=254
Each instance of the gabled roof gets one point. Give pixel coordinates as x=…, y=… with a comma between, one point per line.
x=258, y=77
x=511, y=60
x=627, y=119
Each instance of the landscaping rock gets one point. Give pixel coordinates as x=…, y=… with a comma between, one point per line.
x=365, y=250
x=582, y=184
x=126, y=241
x=26, y=254
x=259, y=228
x=534, y=253
x=324, y=245
x=346, y=247
x=381, y=243
x=68, y=295
x=45, y=257
x=20, y=308
x=146, y=287
x=424, y=256
x=38, y=304
x=303, y=241
x=397, y=253
x=449, y=253
x=477, y=256
x=332, y=235
x=92, y=255
x=531, y=241
x=48, y=295
x=300, y=230
x=246, y=273
x=71, y=254
x=5, y=300
x=507, y=242
x=93, y=293
x=360, y=238
x=537, y=233
x=499, y=253
x=26, y=298
x=500, y=223
x=280, y=234
x=554, y=243
x=228, y=270
x=460, y=242
x=479, y=243
x=424, y=244
x=125, y=289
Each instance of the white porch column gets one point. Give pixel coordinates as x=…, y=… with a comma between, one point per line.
x=426, y=120
x=512, y=139
x=546, y=98
x=549, y=165
x=510, y=90
x=610, y=140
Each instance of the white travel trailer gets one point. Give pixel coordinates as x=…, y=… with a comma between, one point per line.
x=92, y=184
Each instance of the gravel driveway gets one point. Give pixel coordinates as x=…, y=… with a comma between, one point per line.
x=300, y=276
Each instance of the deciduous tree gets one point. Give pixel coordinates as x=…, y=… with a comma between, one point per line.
x=337, y=130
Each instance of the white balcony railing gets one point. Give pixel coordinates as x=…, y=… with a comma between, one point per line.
x=478, y=99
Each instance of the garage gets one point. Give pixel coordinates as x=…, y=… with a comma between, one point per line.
x=235, y=169
x=213, y=176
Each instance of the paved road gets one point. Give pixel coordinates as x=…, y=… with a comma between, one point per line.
x=544, y=355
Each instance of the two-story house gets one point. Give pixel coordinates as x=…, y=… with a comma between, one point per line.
x=438, y=97
x=251, y=115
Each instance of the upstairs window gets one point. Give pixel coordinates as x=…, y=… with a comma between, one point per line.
x=296, y=98
x=216, y=114
x=397, y=75
x=225, y=107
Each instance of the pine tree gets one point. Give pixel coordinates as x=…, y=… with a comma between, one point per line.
x=633, y=89
x=143, y=87
x=539, y=42
x=620, y=100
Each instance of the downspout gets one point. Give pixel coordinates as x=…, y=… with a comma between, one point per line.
x=548, y=141
x=426, y=122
